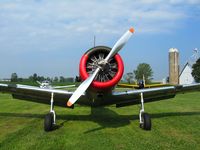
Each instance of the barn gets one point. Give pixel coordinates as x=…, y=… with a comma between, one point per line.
x=185, y=76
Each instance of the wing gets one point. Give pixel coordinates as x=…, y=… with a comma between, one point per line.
x=64, y=86
x=127, y=85
x=132, y=97
x=136, y=86
x=36, y=94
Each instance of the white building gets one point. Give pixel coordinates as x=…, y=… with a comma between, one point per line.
x=185, y=76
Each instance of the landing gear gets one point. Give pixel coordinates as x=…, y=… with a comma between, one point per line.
x=145, y=120
x=48, y=122
x=50, y=118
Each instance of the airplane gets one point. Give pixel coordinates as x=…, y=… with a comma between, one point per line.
x=141, y=84
x=100, y=69
x=47, y=85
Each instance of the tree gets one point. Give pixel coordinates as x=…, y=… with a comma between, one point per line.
x=196, y=71
x=20, y=79
x=48, y=79
x=40, y=78
x=69, y=79
x=62, y=79
x=129, y=77
x=145, y=70
x=55, y=79
x=14, y=77
x=30, y=78
x=35, y=77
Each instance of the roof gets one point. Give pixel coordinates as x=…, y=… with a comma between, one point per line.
x=173, y=50
x=187, y=64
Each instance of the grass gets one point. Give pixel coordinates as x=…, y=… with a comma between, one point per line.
x=176, y=125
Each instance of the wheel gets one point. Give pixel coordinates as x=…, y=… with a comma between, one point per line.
x=146, y=125
x=48, y=122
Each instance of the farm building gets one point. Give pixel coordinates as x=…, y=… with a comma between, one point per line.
x=185, y=76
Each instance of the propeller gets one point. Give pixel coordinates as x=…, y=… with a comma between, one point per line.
x=84, y=85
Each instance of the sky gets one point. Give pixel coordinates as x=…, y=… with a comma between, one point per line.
x=48, y=37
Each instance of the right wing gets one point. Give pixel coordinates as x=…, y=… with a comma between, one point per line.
x=39, y=95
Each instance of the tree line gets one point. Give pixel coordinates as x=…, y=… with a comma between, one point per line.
x=142, y=72
x=35, y=77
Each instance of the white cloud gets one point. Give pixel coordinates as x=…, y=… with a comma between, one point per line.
x=185, y=1
x=65, y=28
x=41, y=21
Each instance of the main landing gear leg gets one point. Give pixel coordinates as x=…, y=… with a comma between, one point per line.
x=145, y=120
x=50, y=118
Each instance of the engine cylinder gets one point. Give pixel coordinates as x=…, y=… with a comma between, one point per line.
x=109, y=74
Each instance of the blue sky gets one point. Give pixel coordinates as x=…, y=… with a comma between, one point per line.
x=49, y=37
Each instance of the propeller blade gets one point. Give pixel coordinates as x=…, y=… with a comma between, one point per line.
x=82, y=88
x=120, y=43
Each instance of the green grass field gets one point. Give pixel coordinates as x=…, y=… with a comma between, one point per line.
x=176, y=125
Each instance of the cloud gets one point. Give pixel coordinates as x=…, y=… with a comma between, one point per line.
x=37, y=33
x=42, y=22
x=185, y=2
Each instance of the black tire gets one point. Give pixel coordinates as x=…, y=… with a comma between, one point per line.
x=48, y=122
x=146, y=125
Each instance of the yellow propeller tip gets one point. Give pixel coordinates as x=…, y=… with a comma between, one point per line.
x=69, y=104
x=131, y=29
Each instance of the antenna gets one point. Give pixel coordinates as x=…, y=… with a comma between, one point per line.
x=194, y=56
x=94, y=40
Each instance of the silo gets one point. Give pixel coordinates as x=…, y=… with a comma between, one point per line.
x=173, y=66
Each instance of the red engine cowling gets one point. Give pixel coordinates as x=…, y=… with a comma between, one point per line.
x=109, y=75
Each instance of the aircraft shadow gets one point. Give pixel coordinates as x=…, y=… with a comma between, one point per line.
x=105, y=117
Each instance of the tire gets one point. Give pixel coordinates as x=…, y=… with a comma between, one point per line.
x=146, y=122
x=48, y=122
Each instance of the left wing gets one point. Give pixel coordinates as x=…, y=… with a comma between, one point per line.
x=132, y=97
x=63, y=86
x=39, y=95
